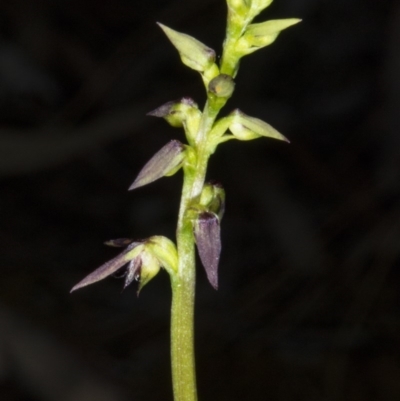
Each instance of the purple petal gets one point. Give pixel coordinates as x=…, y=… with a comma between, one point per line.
x=165, y=160
x=208, y=238
x=163, y=110
x=119, y=242
x=106, y=269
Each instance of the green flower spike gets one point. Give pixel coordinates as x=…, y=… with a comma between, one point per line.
x=166, y=162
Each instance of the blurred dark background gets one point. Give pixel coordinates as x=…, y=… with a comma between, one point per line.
x=308, y=305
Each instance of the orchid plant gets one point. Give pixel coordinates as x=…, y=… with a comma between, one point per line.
x=202, y=203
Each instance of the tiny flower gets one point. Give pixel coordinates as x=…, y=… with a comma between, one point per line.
x=262, y=34
x=208, y=239
x=194, y=54
x=167, y=161
x=110, y=267
x=184, y=112
x=245, y=128
x=143, y=259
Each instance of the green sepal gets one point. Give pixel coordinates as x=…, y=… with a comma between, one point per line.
x=165, y=251
x=263, y=34
x=246, y=128
x=193, y=53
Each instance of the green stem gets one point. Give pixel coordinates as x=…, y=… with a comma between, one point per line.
x=183, y=284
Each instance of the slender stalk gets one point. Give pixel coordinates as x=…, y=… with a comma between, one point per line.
x=183, y=284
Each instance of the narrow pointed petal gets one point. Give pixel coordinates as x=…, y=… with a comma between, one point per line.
x=208, y=238
x=134, y=268
x=107, y=268
x=166, y=160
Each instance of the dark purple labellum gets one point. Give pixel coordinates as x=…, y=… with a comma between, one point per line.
x=208, y=238
x=119, y=242
x=163, y=162
x=106, y=269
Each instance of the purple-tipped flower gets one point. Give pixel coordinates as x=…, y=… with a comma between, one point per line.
x=166, y=161
x=144, y=260
x=110, y=267
x=181, y=113
x=208, y=239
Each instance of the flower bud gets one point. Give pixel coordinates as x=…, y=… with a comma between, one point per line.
x=193, y=53
x=208, y=239
x=181, y=113
x=245, y=128
x=222, y=86
x=213, y=198
x=167, y=161
x=263, y=34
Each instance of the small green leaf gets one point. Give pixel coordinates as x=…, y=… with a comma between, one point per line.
x=194, y=54
x=245, y=128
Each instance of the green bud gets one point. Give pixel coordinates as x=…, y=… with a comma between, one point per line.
x=222, y=86
x=193, y=53
x=263, y=34
x=213, y=198
x=165, y=162
x=245, y=128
